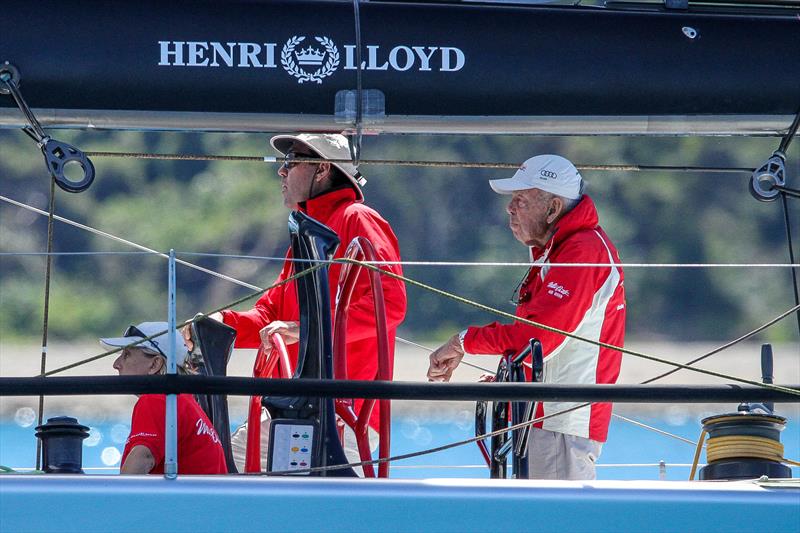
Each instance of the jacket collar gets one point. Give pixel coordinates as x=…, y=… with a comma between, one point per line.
x=322, y=206
x=583, y=216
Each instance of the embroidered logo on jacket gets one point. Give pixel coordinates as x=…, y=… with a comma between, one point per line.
x=144, y=434
x=554, y=289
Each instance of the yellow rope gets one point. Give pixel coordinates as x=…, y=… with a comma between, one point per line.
x=697, y=454
x=743, y=447
x=739, y=447
x=521, y=320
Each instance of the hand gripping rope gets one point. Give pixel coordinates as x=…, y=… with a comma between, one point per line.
x=58, y=156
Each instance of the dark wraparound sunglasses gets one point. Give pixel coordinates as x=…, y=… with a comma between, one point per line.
x=133, y=331
x=289, y=160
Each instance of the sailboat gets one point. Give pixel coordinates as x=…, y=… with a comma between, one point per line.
x=619, y=68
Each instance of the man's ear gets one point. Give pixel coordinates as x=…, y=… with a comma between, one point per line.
x=323, y=171
x=556, y=209
x=156, y=364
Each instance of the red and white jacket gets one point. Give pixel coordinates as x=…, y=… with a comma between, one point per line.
x=349, y=218
x=586, y=301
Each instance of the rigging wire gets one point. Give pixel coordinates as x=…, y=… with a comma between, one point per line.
x=654, y=429
x=112, y=237
x=545, y=327
x=46, y=313
x=243, y=299
x=356, y=155
x=791, y=253
x=403, y=263
x=50, y=254
x=729, y=344
x=790, y=133
x=410, y=281
x=629, y=420
x=419, y=163
x=355, y=147
x=785, y=142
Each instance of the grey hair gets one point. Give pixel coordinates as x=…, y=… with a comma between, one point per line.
x=570, y=203
x=180, y=368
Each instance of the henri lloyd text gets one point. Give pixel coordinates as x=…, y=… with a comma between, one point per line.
x=309, y=59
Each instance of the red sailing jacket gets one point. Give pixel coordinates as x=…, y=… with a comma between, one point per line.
x=586, y=301
x=199, y=447
x=339, y=210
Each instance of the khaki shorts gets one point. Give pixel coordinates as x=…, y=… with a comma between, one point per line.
x=554, y=455
x=239, y=444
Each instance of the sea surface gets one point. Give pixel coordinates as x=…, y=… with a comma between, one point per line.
x=632, y=452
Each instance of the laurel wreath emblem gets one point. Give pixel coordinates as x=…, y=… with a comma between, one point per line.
x=288, y=62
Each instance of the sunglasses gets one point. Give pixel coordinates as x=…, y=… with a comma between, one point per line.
x=518, y=297
x=133, y=331
x=289, y=159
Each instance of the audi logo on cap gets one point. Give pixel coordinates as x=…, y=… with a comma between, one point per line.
x=547, y=173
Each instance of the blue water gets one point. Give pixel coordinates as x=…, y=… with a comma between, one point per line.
x=627, y=444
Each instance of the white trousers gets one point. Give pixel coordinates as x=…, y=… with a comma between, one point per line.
x=239, y=444
x=554, y=455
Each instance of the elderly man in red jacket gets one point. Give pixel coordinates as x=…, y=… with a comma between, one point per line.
x=331, y=193
x=549, y=213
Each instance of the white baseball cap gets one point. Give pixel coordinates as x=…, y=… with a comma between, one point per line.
x=158, y=344
x=327, y=146
x=550, y=173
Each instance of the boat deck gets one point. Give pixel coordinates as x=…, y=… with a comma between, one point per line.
x=66, y=503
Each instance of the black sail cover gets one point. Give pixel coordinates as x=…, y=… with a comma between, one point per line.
x=291, y=58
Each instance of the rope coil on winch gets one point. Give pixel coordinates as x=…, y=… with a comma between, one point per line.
x=741, y=437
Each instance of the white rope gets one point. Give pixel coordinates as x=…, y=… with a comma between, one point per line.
x=409, y=263
x=656, y=430
x=376, y=263
x=600, y=465
x=39, y=254
x=23, y=469
x=129, y=243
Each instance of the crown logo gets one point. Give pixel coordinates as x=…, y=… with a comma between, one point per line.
x=310, y=56
x=292, y=60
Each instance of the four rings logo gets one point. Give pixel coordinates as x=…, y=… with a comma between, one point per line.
x=308, y=60
x=310, y=56
x=547, y=174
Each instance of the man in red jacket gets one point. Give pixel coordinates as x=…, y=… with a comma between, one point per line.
x=549, y=213
x=330, y=193
x=199, y=448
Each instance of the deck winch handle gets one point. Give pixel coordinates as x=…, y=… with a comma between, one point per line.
x=60, y=157
x=767, y=371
